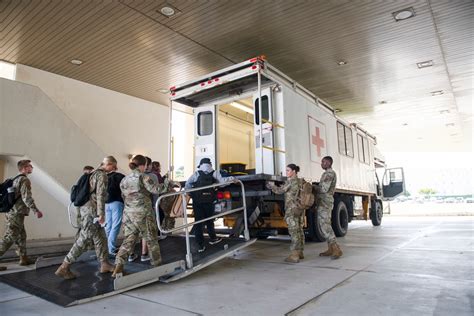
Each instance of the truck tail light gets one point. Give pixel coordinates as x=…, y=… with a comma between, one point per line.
x=227, y=195
x=220, y=195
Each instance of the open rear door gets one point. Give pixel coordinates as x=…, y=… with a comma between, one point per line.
x=264, y=160
x=205, y=134
x=393, y=183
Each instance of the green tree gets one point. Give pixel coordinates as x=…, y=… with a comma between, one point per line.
x=427, y=191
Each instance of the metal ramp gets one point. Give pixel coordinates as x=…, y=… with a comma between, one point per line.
x=179, y=258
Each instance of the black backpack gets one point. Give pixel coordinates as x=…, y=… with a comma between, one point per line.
x=81, y=191
x=207, y=195
x=7, y=195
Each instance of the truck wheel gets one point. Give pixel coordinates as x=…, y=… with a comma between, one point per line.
x=340, y=219
x=376, y=213
x=314, y=230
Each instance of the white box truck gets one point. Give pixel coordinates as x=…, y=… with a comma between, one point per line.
x=252, y=120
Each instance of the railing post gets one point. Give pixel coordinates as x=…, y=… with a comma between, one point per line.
x=189, y=256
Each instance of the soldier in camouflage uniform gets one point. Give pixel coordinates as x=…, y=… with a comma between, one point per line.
x=324, y=204
x=294, y=216
x=138, y=217
x=91, y=231
x=15, y=229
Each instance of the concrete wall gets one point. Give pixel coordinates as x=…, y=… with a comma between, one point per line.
x=65, y=124
x=119, y=124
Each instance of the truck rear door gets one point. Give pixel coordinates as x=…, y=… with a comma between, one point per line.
x=205, y=134
x=264, y=154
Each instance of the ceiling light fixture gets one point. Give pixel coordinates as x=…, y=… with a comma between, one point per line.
x=76, y=62
x=438, y=92
x=405, y=124
x=424, y=64
x=403, y=14
x=382, y=102
x=242, y=107
x=455, y=134
x=167, y=10
x=337, y=110
x=341, y=62
x=163, y=90
x=450, y=125
x=444, y=112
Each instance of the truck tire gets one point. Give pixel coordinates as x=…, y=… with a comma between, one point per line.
x=340, y=219
x=376, y=213
x=314, y=230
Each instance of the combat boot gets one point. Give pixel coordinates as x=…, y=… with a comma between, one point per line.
x=106, y=267
x=2, y=268
x=64, y=272
x=300, y=254
x=294, y=257
x=118, y=270
x=336, y=252
x=25, y=261
x=328, y=252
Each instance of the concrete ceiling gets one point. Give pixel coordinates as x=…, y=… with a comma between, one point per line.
x=130, y=47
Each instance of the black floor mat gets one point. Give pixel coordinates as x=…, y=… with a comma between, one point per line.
x=89, y=283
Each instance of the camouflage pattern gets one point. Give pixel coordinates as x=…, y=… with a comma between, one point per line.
x=25, y=204
x=14, y=234
x=294, y=216
x=325, y=203
x=139, y=218
x=89, y=231
x=15, y=228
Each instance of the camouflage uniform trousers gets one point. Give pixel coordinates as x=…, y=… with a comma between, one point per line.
x=135, y=225
x=324, y=219
x=89, y=233
x=14, y=234
x=295, y=229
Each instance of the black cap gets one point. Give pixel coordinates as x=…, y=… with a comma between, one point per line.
x=204, y=160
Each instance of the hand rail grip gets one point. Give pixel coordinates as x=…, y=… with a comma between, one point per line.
x=186, y=225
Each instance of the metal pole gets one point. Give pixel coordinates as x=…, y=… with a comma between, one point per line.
x=260, y=119
x=246, y=226
x=189, y=256
x=170, y=162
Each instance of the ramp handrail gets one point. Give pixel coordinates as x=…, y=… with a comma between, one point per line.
x=186, y=225
x=69, y=215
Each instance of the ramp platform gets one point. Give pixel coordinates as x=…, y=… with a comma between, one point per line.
x=91, y=285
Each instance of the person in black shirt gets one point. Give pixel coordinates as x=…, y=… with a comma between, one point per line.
x=113, y=206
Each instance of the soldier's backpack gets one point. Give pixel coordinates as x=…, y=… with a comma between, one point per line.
x=305, y=198
x=207, y=195
x=7, y=194
x=81, y=191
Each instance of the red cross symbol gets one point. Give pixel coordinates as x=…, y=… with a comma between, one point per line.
x=318, y=141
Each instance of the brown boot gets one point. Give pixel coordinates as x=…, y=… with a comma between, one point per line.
x=328, y=252
x=118, y=271
x=300, y=254
x=336, y=252
x=25, y=261
x=106, y=267
x=294, y=257
x=2, y=268
x=64, y=272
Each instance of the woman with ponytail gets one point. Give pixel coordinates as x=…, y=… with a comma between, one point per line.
x=294, y=216
x=139, y=218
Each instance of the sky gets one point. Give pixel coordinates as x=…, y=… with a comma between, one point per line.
x=449, y=173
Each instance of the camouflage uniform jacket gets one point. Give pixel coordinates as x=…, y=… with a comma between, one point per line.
x=25, y=202
x=98, y=185
x=291, y=189
x=326, y=188
x=136, y=188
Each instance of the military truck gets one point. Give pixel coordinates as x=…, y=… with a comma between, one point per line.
x=252, y=120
